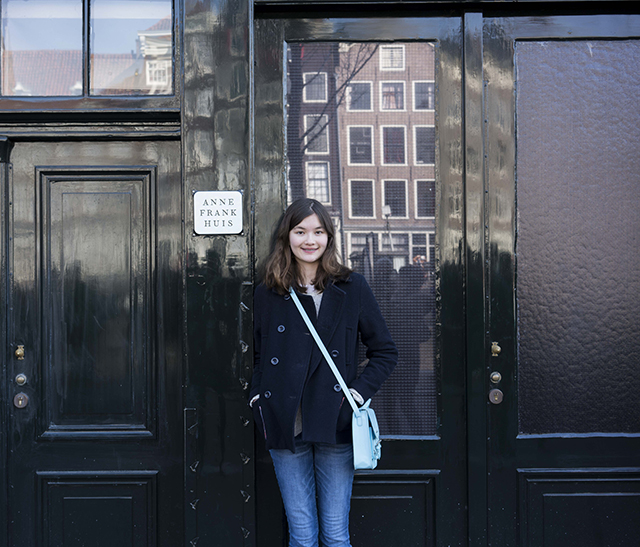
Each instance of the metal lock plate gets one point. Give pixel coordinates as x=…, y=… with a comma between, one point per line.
x=20, y=400
x=496, y=396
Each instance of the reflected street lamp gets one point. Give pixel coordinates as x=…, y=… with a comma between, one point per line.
x=386, y=212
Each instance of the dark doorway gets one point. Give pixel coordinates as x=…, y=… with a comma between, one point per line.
x=94, y=366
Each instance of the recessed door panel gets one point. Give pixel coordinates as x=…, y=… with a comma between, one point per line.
x=114, y=508
x=97, y=280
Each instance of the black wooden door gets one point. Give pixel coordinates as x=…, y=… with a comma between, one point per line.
x=367, y=118
x=562, y=132
x=93, y=387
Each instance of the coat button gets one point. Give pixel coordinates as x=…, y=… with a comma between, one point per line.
x=267, y=395
x=335, y=353
x=280, y=328
x=337, y=387
x=287, y=296
x=274, y=361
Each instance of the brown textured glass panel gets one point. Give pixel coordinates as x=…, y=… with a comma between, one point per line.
x=376, y=176
x=41, y=48
x=131, y=47
x=578, y=252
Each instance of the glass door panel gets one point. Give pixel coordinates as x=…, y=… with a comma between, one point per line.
x=578, y=228
x=355, y=145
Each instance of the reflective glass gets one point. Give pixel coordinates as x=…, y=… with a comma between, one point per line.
x=360, y=96
x=377, y=178
x=41, y=48
x=131, y=46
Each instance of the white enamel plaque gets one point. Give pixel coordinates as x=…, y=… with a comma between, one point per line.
x=217, y=212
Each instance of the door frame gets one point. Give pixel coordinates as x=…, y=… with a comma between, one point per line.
x=475, y=278
x=5, y=150
x=163, y=284
x=446, y=471
x=514, y=458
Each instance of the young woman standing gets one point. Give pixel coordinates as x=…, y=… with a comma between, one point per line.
x=298, y=405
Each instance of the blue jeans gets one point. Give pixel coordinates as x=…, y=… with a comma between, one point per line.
x=315, y=470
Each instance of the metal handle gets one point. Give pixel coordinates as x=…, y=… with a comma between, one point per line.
x=19, y=353
x=495, y=349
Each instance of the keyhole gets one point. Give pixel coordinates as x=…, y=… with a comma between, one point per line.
x=21, y=400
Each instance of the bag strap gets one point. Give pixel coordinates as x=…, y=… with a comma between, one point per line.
x=324, y=351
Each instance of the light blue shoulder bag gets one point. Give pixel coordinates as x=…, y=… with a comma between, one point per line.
x=364, y=424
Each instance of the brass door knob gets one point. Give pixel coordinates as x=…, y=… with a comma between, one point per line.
x=19, y=353
x=495, y=377
x=495, y=349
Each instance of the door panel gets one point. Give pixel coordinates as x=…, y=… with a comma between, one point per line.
x=97, y=243
x=94, y=300
x=562, y=178
x=360, y=130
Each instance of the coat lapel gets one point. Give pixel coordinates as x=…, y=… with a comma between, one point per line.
x=331, y=309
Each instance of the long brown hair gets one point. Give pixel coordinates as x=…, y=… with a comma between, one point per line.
x=281, y=270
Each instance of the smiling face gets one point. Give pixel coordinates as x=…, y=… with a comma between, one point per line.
x=308, y=241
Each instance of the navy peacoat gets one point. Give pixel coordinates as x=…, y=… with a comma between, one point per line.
x=289, y=370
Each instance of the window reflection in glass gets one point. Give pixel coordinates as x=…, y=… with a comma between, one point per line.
x=395, y=197
x=369, y=109
x=131, y=45
x=425, y=142
x=360, y=145
x=425, y=199
x=424, y=95
x=318, y=181
x=360, y=96
x=361, y=198
x=317, y=136
x=393, y=149
x=392, y=57
x=42, y=48
x=315, y=87
x=392, y=95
